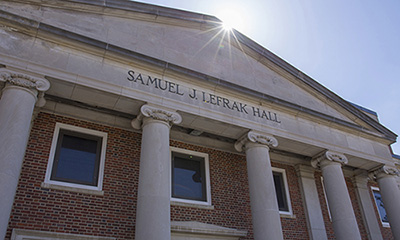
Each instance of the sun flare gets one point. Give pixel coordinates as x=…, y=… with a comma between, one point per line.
x=231, y=19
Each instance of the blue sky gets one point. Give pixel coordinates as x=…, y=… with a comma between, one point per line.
x=350, y=47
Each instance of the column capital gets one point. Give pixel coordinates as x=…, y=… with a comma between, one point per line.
x=255, y=137
x=384, y=171
x=329, y=156
x=156, y=113
x=26, y=81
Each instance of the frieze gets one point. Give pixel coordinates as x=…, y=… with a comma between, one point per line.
x=204, y=97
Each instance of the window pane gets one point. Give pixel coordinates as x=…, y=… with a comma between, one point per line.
x=76, y=160
x=188, y=179
x=280, y=191
x=381, y=208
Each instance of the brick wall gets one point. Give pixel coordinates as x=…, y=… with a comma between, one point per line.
x=113, y=214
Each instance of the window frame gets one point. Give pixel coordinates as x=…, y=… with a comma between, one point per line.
x=384, y=224
x=326, y=199
x=206, y=173
x=79, y=131
x=287, y=194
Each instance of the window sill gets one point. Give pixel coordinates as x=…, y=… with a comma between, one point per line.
x=193, y=205
x=386, y=225
x=72, y=189
x=287, y=215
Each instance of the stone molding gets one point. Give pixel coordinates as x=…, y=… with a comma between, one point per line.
x=384, y=171
x=329, y=156
x=23, y=234
x=23, y=80
x=199, y=230
x=361, y=178
x=255, y=137
x=156, y=113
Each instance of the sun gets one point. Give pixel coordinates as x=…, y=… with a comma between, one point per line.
x=231, y=18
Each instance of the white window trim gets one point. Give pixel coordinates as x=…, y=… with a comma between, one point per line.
x=71, y=186
x=207, y=173
x=283, y=171
x=326, y=199
x=384, y=224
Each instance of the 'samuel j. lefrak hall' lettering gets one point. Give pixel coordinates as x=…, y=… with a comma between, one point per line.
x=208, y=98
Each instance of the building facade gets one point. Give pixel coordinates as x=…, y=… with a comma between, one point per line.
x=123, y=120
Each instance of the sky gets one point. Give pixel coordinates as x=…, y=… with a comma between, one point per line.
x=350, y=47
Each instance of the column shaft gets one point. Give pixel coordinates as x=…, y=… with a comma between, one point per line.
x=264, y=205
x=342, y=213
x=391, y=197
x=153, y=204
x=16, y=108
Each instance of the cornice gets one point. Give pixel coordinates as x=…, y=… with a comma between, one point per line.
x=12, y=19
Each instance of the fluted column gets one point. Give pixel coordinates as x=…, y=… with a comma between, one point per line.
x=263, y=201
x=343, y=218
x=18, y=99
x=386, y=177
x=153, y=203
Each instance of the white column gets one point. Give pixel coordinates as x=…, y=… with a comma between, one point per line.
x=386, y=177
x=153, y=205
x=315, y=219
x=343, y=218
x=360, y=182
x=17, y=102
x=263, y=201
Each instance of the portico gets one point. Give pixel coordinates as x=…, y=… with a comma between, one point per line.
x=252, y=122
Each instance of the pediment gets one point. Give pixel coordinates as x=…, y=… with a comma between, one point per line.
x=192, y=42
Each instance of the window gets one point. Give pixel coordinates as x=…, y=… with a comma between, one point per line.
x=282, y=191
x=190, y=181
x=76, y=157
x=380, y=207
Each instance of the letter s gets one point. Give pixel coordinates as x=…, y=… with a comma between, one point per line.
x=131, y=74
